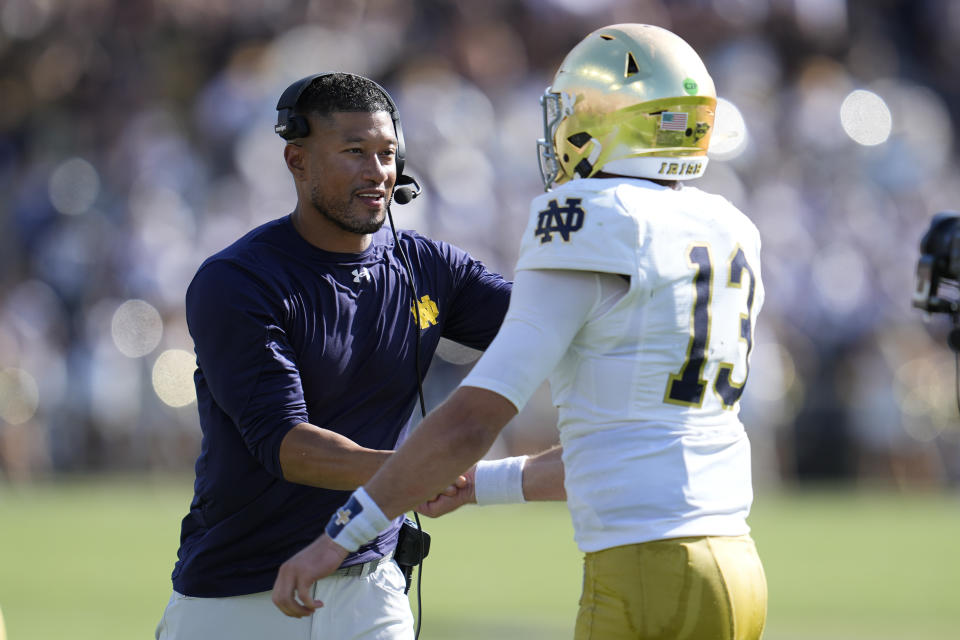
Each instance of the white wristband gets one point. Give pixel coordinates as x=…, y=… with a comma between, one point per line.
x=357, y=522
x=499, y=481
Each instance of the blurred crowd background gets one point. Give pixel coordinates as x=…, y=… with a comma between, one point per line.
x=136, y=138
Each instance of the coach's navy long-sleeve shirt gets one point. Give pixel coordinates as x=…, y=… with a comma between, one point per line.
x=286, y=333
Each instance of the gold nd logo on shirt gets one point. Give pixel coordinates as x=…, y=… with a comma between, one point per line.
x=428, y=312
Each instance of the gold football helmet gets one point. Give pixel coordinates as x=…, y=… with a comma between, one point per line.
x=630, y=99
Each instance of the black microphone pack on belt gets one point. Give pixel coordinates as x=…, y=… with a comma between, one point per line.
x=413, y=545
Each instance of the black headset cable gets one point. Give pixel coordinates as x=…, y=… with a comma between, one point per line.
x=423, y=406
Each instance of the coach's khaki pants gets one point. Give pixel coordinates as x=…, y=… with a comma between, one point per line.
x=703, y=588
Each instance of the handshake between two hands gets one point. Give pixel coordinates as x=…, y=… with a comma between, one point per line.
x=293, y=587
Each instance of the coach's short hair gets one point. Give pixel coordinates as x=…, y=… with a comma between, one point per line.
x=338, y=92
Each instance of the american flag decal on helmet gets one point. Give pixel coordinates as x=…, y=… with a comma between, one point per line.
x=673, y=121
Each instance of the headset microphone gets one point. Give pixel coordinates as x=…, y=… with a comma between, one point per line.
x=406, y=189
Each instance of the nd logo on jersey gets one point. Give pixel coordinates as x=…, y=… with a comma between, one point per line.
x=563, y=220
x=428, y=312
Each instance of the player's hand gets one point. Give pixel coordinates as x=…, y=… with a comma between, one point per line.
x=454, y=489
x=461, y=492
x=293, y=588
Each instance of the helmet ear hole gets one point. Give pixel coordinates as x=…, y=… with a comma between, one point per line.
x=579, y=139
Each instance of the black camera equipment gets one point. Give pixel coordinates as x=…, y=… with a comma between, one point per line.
x=938, y=271
x=938, y=278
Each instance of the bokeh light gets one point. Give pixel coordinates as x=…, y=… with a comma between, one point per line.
x=173, y=377
x=866, y=118
x=462, y=173
x=57, y=70
x=74, y=186
x=116, y=390
x=25, y=18
x=924, y=388
x=136, y=328
x=839, y=272
x=772, y=372
x=19, y=396
x=729, y=138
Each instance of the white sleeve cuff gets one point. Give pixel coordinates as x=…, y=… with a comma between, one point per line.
x=499, y=481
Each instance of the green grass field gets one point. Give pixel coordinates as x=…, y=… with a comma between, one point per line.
x=90, y=559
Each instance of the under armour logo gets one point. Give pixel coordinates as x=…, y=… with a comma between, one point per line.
x=361, y=274
x=343, y=517
x=563, y=220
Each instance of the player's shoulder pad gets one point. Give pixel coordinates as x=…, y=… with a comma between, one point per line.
x=581, y=225
x=748, y=228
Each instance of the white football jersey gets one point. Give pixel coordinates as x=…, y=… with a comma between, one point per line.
x=648, y=391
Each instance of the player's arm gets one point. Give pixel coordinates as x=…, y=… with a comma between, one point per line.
x=540, y=479
x=543, y=476
x=547, y=309
x=322, y=458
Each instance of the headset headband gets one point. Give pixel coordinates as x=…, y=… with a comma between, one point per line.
x=290, y=126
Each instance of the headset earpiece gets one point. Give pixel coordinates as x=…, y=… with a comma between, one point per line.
x=291, y=126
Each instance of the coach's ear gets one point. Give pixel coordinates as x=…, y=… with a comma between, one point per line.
x=295, y=157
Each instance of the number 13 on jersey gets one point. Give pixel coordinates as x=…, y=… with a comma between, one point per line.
x=687, y=387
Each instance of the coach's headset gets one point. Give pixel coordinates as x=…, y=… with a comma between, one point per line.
x=291, y=126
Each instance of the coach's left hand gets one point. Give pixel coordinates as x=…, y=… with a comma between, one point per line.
x=293, y=588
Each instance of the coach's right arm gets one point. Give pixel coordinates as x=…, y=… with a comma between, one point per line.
x=322, y=458
x=247, y=367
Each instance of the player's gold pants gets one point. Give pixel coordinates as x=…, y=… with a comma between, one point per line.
x=703, y=588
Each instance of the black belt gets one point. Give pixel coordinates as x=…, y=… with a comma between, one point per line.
x=363, y=569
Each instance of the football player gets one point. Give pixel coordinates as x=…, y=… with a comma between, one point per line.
x=637, y=295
